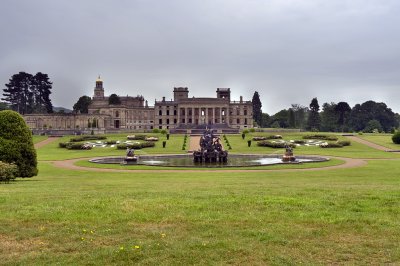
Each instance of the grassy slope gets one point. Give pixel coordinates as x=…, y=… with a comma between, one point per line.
x=381, y=139
x=343, y=216
x=37, y=138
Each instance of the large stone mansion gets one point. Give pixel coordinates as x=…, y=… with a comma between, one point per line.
x=180, y=114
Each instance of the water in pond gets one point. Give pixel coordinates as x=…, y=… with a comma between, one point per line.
x=187, y=160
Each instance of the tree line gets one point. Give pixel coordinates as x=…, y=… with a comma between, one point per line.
x=369, y=116
x=26, y=93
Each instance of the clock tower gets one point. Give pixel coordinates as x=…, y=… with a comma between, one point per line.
x=99, y=90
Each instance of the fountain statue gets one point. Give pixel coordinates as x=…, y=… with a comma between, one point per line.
x=210, y=149
x=130, y=156
x=288, y=156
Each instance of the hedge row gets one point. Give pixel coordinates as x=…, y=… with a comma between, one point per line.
x=75, y=146
x=338, y=144
x=258, y=138
x=322, y=137
x=136, y=146
x=86, y=138
x=275, y=145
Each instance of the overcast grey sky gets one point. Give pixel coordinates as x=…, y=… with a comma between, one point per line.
x=288, y=50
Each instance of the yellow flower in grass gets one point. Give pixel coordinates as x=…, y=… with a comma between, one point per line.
x=136, y=247
x=163, y=235
x=121, y=248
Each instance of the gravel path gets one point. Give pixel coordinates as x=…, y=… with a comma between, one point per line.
x=69, y=164
x=368, y=143
x=194, y=143
x=45, y=142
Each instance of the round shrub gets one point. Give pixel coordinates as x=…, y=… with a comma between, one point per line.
x=16, y=145
x=7, y=171
x=396, y=138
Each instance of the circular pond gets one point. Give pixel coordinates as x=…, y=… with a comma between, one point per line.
x=234, y=160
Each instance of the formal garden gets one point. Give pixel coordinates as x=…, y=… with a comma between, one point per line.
x=68, y=210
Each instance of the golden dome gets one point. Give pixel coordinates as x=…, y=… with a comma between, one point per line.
x=99, y=79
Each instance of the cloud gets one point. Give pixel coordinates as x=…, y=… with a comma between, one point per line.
x=289, y=51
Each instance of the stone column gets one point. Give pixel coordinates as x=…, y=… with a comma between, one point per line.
x=213, y=115
x=220, y=114
x=207, y=115
x=179, y=116
x=186, y=115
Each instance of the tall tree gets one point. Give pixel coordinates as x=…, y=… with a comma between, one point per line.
x=342, y=109
x=82, y=105
x=257, y=113
x=314, y=120
x=329, y=117
x=3, y=106
x=42, y=87
x=292, y=118
x=361, y=114
x=18, y=92
x=27, y=94
x=300, y=114
x=114, y=99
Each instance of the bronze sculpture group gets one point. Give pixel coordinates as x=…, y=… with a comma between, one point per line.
x=210, y=149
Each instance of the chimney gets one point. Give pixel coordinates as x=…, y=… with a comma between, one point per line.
x=163, y=99
x=241, y=99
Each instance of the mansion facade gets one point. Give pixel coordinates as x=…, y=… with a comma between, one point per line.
x=180, y=114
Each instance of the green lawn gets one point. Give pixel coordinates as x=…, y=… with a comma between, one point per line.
x=67, y=217
x=381, y=139
x=53, y=152
x=356, y=150
x=37, y=138
x=327, y=217
x=174, y=146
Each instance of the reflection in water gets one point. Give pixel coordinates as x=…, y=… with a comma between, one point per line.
x=187, y=160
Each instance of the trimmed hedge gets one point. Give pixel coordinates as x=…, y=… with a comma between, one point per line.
x=396, y=138
x=7, y=171
x=331, y=145
x=344, y=142
x=275, y=145
x=321, y=137
x=16, y=145
x=136, y=137
x=136, y=146
x=86, y=138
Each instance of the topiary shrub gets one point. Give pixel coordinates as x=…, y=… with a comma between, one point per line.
x=396, y=138
x=156, y=130
x=163, y=131
x=7, y=171
x=16, y=145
